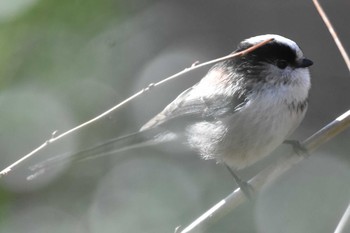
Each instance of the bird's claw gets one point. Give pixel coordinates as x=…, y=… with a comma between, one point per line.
x=298, y=148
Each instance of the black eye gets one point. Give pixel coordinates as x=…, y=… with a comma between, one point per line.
x=282, y=64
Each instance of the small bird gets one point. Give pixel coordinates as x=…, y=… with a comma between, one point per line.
x=238, y=113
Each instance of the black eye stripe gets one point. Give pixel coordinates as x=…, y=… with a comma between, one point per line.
x=271, y=52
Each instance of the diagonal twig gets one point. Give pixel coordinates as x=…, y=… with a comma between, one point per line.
x=150, y=86
x=345, y=220
x=333, y=33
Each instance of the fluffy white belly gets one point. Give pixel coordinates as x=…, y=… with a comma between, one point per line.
x=247, y=135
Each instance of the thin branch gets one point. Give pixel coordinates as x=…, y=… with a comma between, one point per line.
x=344, y=223
x=345, y=220
x=333, y=33
x=150, y=86
x=268, y=174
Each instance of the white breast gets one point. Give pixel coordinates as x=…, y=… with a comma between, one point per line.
x=255, y=130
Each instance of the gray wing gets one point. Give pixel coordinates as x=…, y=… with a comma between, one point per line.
x=194, y=104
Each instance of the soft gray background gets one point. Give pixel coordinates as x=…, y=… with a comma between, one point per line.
x=64, y=62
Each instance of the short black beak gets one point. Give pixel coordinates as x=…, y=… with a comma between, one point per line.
x=303, y=63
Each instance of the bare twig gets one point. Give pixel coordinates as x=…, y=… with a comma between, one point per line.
x=344, y=224
x=345, y=220
x=333, y=33
x=150, y=86
x=269, y=174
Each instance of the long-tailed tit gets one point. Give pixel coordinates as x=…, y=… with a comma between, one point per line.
x=238, y=113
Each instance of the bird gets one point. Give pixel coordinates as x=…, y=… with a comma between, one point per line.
x=237, y=114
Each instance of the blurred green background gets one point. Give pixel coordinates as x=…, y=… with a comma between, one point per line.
x=64, y=62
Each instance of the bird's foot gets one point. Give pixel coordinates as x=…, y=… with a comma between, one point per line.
x=245, y=187
x=298, y=148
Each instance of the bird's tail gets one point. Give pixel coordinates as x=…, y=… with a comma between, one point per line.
x=115, y=145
